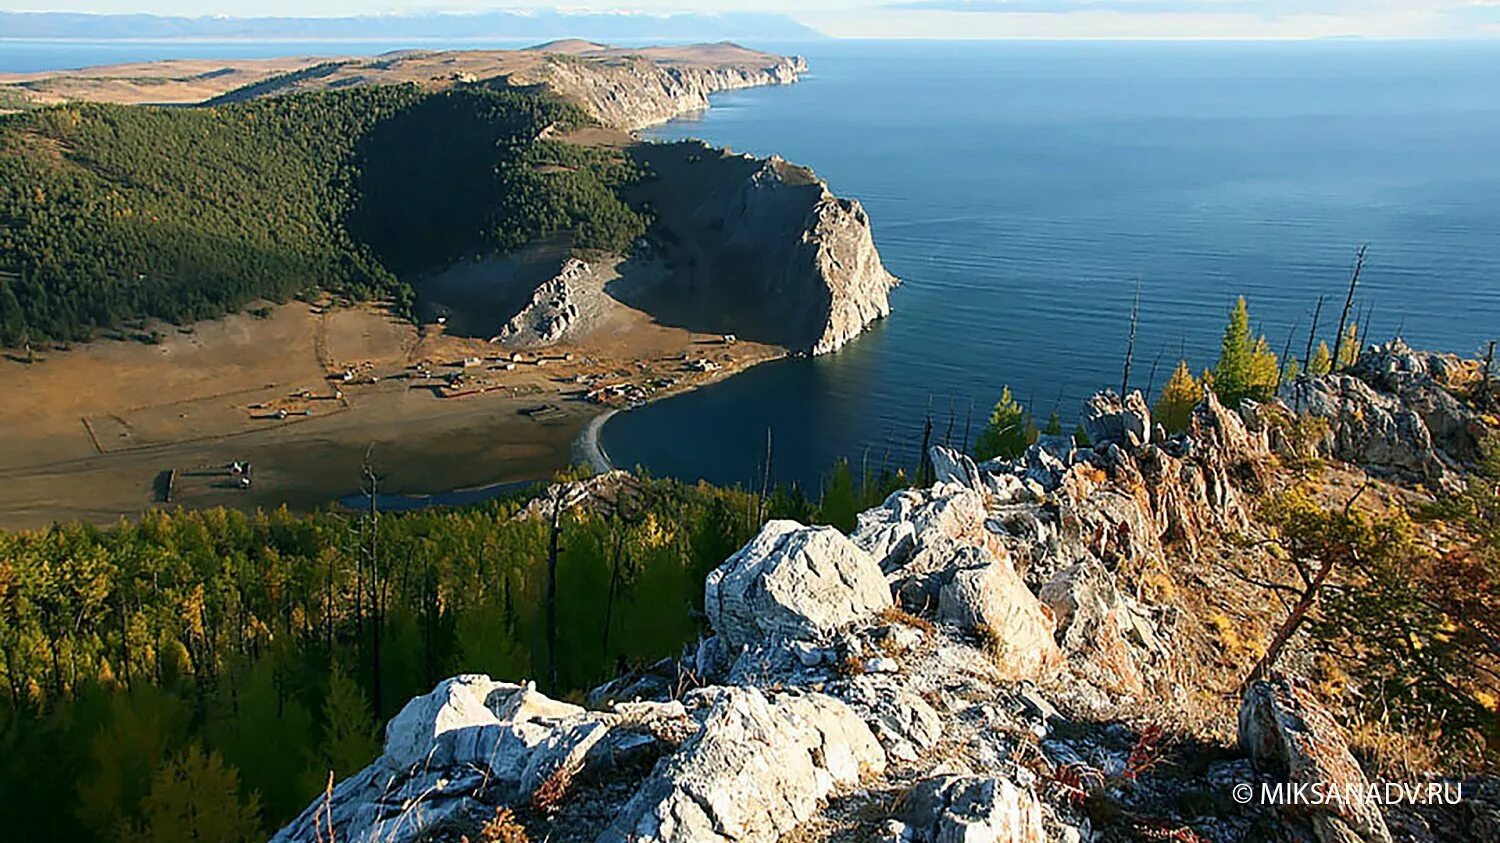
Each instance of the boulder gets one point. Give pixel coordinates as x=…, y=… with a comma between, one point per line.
x=1100, y=633
x=987, y=596
x=1283, y=727
x=956, y=467
x=794, y=582
x=455, y=751
x=1107, y=418
x=755, y=771
x=971, y=809
x=912, y=518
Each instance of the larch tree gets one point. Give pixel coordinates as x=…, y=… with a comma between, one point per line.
x=1349, y=348
x=195, y=796
x=1006, y=433
x=1174, y=409
x=1247, y=368
x=1322, y=361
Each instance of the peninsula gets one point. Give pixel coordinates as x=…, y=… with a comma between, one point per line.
x=446, y=262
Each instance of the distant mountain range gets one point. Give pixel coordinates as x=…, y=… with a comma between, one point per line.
x=608, y=26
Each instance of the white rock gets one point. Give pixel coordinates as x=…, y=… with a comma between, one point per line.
x=755, y=771
x=970, y=809
x=794, y=582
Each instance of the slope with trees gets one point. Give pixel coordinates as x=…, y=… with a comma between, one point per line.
x=113, y=213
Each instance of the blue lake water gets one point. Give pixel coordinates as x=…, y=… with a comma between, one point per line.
x=1021, y=189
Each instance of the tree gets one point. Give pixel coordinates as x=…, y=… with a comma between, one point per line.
x=1183, y=392
x=349, y=742
x=1322, y=361
x=1006, y=434
x=1320, y=544
x=1054, y=425
x=839, y=506
x=1349, y=348
x=1247, y=367
x=194, y=796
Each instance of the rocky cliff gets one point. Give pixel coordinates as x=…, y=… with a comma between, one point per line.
x=638, y=90
x=976, y=661
x=763, y=249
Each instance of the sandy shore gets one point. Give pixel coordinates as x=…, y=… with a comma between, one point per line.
x=107, y=429
x=588, y=449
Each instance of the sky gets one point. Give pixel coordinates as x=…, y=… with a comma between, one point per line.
x=1279, y=19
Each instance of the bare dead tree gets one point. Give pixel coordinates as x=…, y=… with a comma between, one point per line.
x=1364, y=331
x=924, y=462
x=552, y=550
x=948, y=434
x=1135, y=315
x=1486, y=374
x=765, y=483
x=1150, y=378
x=1312, y=336
x=968, y=425
x=1359, y=266
x=1286, y=350
x=372, y=561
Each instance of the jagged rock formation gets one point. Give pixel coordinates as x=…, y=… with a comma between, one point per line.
x=551, y=311
x=952, y=670
x=1284, y=727
x=1394, y=412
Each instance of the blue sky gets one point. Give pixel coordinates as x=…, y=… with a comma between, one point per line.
x=951, y=18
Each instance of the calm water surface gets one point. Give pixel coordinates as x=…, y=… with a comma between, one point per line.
x=1020, y=190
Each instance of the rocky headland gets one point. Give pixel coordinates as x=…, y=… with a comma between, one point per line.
x=991, y=657
x=623, y=88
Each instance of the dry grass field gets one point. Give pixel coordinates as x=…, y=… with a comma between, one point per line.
x=106, y=429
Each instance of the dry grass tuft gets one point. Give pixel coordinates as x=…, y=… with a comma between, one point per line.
x=548, y=799
x=504, y=828
x=896, y=614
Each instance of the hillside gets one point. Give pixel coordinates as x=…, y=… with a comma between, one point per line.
x=623, y=88
x=116, y=213
x=1135, y=639
x=1069, y=642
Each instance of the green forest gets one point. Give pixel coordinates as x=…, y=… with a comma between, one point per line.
x=115, y=213
x=218, y=664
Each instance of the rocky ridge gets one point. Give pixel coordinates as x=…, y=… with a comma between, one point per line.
x=962, y=666
x=638, y=91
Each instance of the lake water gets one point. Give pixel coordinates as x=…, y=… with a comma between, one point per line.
x=1021, y=189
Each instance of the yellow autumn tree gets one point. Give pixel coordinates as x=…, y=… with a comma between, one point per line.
x=1322, y=361
x=1174, y=409
x=1349, y=350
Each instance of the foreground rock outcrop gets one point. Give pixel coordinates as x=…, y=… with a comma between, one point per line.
x=973, y=663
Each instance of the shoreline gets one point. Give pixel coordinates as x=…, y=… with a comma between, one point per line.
x=589, y=448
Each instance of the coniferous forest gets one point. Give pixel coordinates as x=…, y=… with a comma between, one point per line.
x=111, y=213
x=221, y=664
